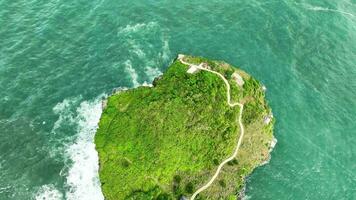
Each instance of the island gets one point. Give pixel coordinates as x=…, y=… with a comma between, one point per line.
x=196, y=133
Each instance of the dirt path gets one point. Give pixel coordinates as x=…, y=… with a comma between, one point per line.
x=233, y=156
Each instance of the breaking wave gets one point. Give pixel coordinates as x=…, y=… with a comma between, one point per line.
x=48, y=192
x=81, y=158
x=319, y=8
x=136, y=27
x=132, y=72
x=142, y=54
x=82, y=176
x=78, y=120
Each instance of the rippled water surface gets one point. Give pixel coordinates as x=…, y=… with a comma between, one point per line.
x=59, y=58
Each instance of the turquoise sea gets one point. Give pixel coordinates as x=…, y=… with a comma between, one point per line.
x=59, y=58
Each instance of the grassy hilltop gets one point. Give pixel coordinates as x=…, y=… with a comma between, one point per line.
x=164, y=142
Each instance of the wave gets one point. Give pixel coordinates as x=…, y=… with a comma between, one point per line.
x=152, y=72
x=319, y=8
x=63, y=109
x=165, y=51
x=82, y=176
x=136, y=27
x=132, y=72
x=136, y=49
x=59, y=136
x=81, y=158
x=48, y=192
x=142, y=55
x=246, y=197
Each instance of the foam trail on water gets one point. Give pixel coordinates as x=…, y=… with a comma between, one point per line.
x=63, y=110
x=136, y=27
x=152, y=72
x=132, y=72
x=165, y=51
x=246, y=197
x=136, y=49
x=82, y=175
x=318, y=8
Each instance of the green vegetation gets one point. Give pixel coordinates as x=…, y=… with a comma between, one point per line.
x=165, y=142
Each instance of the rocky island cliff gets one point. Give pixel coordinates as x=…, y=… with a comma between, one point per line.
x=196, y=134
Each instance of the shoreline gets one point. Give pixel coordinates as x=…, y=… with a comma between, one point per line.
x=242, y=193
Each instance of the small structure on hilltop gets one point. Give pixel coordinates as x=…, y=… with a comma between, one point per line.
x=180, y=56
x=205, y=65
x=192, y=69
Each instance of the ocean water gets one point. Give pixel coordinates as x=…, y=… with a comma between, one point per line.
x=59, y=58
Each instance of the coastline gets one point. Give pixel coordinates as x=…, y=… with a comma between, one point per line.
x=242, y=193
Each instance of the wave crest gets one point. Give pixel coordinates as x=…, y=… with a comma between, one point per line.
x=82, y=175
x=48, y=192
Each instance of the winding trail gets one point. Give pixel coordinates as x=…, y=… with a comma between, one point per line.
x=204, y=187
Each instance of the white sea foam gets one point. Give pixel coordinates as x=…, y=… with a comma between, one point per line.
x=66, y=118
x=152, y=72
x=59, y=107
x=132, y=72
x=82, y=166
x=165, y=51
x=136, y=49
x=318, y=8
x=136, y=27
x=82, y=177
x=152, y=54
x=63, y=110
x=246, y=197
x=147, y=84
x=48, y=192
x=119, y=89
